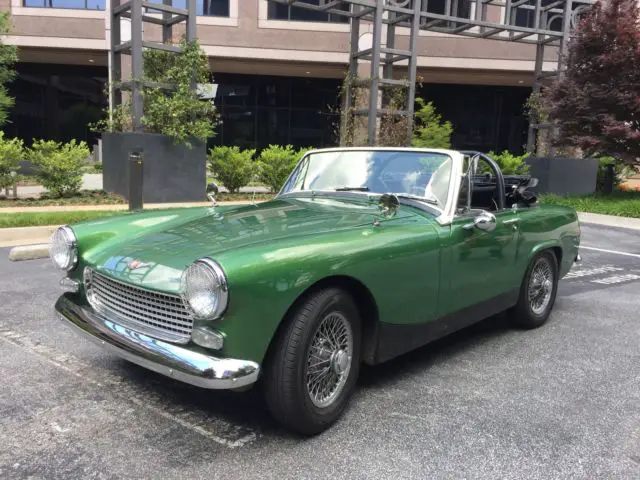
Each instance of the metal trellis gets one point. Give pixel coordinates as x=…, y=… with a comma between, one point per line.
x=137, y=11
x=549, y=25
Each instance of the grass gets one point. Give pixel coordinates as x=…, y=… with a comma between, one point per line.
x=84, y=197
x=100, y=197
x=620, y=203
x=34, y=219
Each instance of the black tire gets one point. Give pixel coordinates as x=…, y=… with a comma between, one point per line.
x=523, y=314
x=285, y=380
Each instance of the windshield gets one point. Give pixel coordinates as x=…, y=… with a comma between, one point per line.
x=421, y=175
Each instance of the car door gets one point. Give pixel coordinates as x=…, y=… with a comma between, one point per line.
x=481, y=247
x=482, y=263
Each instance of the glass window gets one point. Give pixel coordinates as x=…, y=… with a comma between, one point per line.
x=77, y=4
x=209, y=8
x=273, y=126
x=422, y=174
x=525, y=16
x=278, y=11
x=239, y=124
x=213, y=8
x=459, y=8
x=274, y=93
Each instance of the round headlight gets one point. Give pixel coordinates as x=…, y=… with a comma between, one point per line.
x=204, y=289
x=63, y=249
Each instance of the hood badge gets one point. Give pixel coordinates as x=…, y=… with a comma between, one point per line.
x=134, y=264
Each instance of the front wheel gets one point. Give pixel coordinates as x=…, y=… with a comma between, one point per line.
x=537, y=292
x=312, y=372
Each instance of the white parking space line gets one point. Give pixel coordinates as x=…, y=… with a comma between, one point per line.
x=586, y=272
x=616, y=252
x=118, y=386
x=617, y=279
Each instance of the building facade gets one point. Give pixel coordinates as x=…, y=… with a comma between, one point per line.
x=278, y=69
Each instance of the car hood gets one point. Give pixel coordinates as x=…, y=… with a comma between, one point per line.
x=163, y=248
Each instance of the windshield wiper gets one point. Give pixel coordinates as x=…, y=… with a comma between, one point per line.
x=352, y=189
x=418, y=198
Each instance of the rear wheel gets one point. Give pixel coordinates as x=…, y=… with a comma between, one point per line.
x=537, y=292
x=312, y=372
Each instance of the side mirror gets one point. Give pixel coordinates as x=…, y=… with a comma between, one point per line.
x=485, y=221
x=388, y=204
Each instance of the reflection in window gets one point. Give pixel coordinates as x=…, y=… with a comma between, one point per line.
x=525, y=16
x=208, y=8
x=257, y=111
x=278, y=11
x=76, y=4
x=459, y=8
x=56, y=102
x=212, y=8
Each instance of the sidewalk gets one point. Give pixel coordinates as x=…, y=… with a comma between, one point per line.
x=609, y=220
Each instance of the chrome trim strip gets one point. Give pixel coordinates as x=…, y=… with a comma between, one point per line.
x=165, y=358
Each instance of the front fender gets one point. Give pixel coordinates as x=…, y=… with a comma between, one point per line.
x=398, y=264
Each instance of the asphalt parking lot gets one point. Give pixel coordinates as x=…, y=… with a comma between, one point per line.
x=489, y=402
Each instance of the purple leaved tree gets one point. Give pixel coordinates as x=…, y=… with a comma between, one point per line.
x=596, y=103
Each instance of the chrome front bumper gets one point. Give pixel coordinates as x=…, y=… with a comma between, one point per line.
x=162, y=357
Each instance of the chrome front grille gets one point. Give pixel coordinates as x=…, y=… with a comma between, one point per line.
x=156, y=314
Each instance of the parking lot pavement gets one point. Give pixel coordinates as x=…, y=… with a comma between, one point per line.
x=562, y=401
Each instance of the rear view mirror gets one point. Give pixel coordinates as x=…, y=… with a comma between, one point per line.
x=388, y=204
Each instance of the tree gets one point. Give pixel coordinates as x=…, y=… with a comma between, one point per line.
x=179, y=112
x=8, y=59
x=595, y=104
x=430, y=131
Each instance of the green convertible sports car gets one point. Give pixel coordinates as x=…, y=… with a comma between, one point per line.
x=364, y=254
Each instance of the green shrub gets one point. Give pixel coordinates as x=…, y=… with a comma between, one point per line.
x=430, y=130
x=276, y=163
x=510, y=164
x=11, y=151
x=234, y=168
x=59, y=165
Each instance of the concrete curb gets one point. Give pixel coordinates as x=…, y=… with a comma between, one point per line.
x=29, y=252
x=609, y=220
x=11, y=237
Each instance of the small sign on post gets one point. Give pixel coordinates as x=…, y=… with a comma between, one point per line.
x=136, y=168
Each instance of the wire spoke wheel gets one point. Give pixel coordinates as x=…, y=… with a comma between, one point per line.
x=540, y=286
x=329, y=359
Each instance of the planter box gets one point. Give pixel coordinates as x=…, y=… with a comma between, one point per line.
x=564, y=176
x=172, y=173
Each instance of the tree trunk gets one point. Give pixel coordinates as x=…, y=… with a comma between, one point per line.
x=607, y=187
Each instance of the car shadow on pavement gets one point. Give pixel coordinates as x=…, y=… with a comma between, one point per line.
x=243, y=409
x=247, y=410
